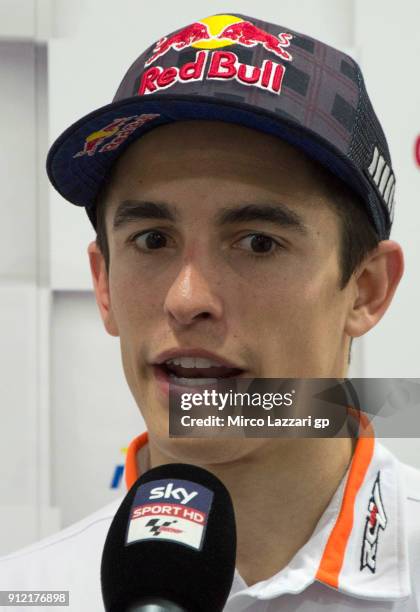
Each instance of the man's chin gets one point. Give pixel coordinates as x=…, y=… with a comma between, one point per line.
x=200, y=451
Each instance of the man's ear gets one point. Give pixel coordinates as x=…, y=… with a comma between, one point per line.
x=375, y=283
x=101, y=286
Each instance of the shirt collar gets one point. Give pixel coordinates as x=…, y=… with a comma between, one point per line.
x=359, y=546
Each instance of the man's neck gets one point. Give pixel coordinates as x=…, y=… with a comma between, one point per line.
x=288, y=482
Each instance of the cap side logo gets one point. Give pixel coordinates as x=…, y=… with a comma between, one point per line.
x=119, y=130
x=383, y=179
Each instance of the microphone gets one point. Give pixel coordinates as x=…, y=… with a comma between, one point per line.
x=171, y=546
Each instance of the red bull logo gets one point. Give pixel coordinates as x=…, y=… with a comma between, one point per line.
x=119, y=130
x=220, y=31
x=94, y=140
x=249, y=35
x=189, y=35
x=208, y=35
x=220, y=66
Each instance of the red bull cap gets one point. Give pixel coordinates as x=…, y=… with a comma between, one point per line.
x=237, y=69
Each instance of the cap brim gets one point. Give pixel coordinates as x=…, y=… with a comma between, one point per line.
x=79, y=177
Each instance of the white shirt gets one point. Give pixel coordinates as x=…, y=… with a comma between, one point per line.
x=336, y=569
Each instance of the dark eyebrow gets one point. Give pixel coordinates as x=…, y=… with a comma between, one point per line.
x=132, y=210
x=279, y=214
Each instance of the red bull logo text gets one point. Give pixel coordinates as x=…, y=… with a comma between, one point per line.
x=222, y=66
x=119, y=130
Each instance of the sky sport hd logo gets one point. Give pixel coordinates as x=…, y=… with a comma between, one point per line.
x=209, y=35
x=174, y=510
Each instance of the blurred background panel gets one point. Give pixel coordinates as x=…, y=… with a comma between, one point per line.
x=66, y=411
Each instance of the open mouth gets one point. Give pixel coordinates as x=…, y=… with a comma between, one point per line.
x=192, y=371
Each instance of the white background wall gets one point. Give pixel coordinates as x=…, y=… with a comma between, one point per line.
x=66, y=411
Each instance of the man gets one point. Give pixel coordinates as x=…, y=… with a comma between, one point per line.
x=242, y=191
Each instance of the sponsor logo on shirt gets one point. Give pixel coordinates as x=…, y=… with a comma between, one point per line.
x=375, y=520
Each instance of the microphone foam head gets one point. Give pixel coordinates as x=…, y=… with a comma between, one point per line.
x=173, y=537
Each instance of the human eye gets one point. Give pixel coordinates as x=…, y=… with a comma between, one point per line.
x=149, y=240
x=260, y=245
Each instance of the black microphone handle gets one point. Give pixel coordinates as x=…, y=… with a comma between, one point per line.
x=155, y=604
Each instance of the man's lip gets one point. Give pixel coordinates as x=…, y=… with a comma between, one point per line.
x=165, y=383
x=194, y=352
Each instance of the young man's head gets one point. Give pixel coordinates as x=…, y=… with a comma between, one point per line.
x=242, y=190
x=234, y=247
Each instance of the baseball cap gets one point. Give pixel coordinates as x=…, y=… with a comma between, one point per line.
x=241, y=70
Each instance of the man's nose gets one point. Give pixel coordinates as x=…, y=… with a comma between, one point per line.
x=194, y=296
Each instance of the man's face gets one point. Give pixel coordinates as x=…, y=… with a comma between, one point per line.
x=235, y=254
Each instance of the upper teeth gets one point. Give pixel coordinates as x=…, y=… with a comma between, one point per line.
x=193, y=362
